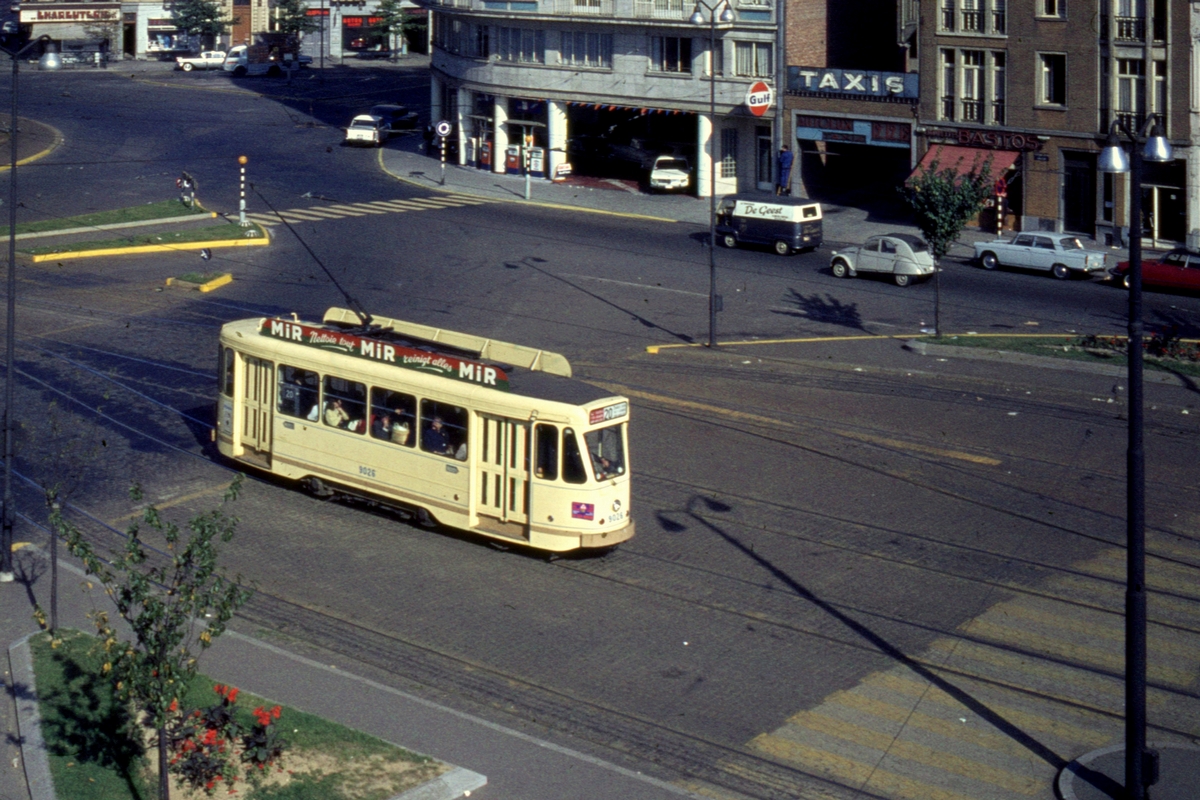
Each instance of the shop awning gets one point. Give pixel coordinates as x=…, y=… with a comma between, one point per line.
x=965, y=159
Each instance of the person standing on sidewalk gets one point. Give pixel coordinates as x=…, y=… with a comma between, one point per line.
x=786, y=156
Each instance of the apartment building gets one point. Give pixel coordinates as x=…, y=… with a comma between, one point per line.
x=559, y=78
x=1030, y=85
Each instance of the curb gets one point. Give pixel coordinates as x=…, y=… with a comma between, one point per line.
x=215, y=283
x=262, y=241
x=54, y=145
x=112, y=226
x=455, y=783
x=1081, y=769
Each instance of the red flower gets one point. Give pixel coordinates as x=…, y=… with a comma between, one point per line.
x=232, y=696
x=174, y=706
x=275, y=712
x=210, y=737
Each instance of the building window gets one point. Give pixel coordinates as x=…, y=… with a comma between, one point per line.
x=587, y=49
x=1131, y=92
x=716, y=60
x=461, y=37
x=753, y=60
x=972, y=86
x=1131, y=20
x=948, y=15
x=1052, y=8
x=972, y=21
x=1052, y=78
x=999, y=16
x=948, y=84
x=729, y=147
x=671, y=54
x=973, y=16
x=523, y=45
x=999, y=87
x=1160, y=89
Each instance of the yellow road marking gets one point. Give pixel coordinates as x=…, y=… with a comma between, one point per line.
x=692, y=405
x=850, y=771
x=912, y=751
x=655, y=348
x=1023, y=719
x=19, y=545
x=1112, y=565
x=321, y=212
x=175, y=501
x=1114, y=632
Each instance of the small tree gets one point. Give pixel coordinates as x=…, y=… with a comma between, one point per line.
x=201, y=18
x=944, y=201
x=172, y=604
x=395, y=20
x=291, y=16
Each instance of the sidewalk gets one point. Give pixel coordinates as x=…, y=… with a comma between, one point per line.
x=516, y=764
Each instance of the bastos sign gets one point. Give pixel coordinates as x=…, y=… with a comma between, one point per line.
x=853, y=83
x=440, y=364
x=70, y=12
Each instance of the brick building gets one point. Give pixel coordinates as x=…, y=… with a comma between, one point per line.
x=1032, y=85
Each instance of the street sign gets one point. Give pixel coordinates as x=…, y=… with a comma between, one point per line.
x=443, y=128
x=758, y=99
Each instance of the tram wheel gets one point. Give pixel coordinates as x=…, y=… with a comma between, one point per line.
x=317, y=488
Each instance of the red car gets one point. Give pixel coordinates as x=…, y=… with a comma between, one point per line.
x=1178, y=269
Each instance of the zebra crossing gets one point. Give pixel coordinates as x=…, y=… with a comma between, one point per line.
x=995, y=711
x=367, y=208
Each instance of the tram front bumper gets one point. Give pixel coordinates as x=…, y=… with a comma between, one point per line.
x=607, y=538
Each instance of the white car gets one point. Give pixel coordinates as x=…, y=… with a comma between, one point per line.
x=210, y=59
x=670, y=173
x=1060, y=254
x=367, y=129
x=903, y=256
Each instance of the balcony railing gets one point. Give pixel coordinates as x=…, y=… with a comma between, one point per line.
x=661, y=9
x=948, y=19
x=948, y=107
x=972, y=22
x=997, y=112
x=1131, y=29
x=972, y=110
x=999, y=22
x=1132, y=120
x=588, y=8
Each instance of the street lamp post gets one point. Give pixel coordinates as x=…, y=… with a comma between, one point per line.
x=8, y=513
x=1141, y=763
x=725, y=17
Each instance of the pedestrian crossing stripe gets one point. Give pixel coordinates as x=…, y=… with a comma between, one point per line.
x=343, y=210
x=996, y=708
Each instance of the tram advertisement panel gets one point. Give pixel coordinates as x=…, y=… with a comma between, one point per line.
x=445, y=366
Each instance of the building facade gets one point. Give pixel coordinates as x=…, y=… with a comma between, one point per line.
x=1031, y=86
x=557, y=78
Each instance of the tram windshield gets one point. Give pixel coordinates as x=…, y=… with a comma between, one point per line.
x=606, y=448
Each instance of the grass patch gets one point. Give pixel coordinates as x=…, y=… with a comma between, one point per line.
x=1181, y=358
x=210, y=233
x=164, y=209
x=97, y=751
x=199, y=277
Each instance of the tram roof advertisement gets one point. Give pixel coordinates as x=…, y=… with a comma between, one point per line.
x=440, y=364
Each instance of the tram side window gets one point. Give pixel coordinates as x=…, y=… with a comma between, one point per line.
x=393, y=416
x=444, y=429
x=298, y=392
x=227, y=371
x=546, y=447
x=345, y=404
x=573, y=471
x=606, y=448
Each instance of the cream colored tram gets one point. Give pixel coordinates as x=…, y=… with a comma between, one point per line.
x=472, y=433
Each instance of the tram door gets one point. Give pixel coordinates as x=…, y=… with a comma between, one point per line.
x=504, y=470
x=258, y=399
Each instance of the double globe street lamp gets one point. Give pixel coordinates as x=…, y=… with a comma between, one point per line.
x=718, y=12
x=1141, y=763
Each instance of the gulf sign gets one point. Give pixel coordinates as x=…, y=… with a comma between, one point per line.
x=439, y=364
x=758, y=98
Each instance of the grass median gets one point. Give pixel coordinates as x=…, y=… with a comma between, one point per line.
x=99, y=751
x=221, y=232
x=165, y=209
x=1163, y=351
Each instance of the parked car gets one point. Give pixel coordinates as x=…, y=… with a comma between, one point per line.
x=396, y=117
x=210, y=59
x=367, y=129
x=787, y=224
x=1060, y=254
x=903, y=256
x=1178, y=269
x=670, y=173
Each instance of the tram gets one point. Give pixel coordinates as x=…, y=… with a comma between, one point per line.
x=445, y=427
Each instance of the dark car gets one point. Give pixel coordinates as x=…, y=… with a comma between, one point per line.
x=1178, y=269
x=395, y=117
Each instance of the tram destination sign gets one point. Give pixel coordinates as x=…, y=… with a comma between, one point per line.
x=364, y=347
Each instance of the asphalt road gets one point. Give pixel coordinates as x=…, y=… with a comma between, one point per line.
x=858, y=571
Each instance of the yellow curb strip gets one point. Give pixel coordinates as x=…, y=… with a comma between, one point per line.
x=217, y=282
x=654, y=348
x=154, y=248
x=54, y=145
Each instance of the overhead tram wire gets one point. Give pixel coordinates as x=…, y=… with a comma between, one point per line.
x=355, y=306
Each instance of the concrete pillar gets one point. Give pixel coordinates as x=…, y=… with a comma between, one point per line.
x=462, y=123
x=705, y=145
x=499, y=134
x=556, y=122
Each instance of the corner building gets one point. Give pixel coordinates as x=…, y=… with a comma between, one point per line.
x=549, y=77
